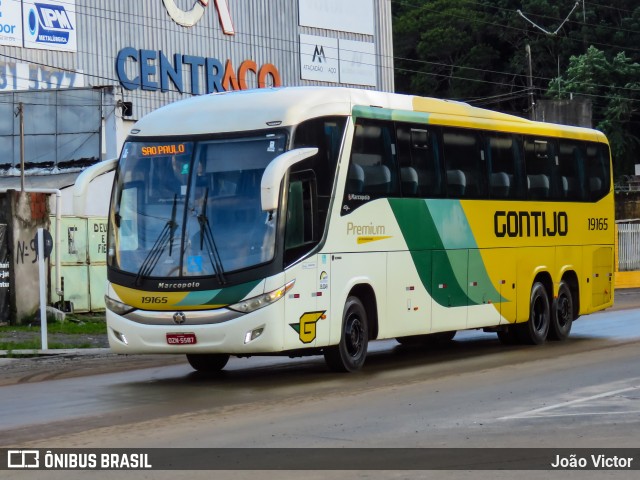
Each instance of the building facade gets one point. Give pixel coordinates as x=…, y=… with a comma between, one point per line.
x=116, y=60
x=76, y=74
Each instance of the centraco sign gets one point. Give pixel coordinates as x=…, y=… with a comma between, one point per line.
x=152, y=70
x=188, y=18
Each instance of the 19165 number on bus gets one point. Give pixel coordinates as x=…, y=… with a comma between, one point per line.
x=598, y=224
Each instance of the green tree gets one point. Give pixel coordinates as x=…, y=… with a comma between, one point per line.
x=442, y=49
x=614, y=87
x=474, y=50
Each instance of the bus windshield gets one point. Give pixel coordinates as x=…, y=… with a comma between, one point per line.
x=189, y=209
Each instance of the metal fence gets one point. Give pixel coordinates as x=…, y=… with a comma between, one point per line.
x=628, y=247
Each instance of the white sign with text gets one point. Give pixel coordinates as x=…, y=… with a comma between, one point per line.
x=319, y=58
x=10, y=23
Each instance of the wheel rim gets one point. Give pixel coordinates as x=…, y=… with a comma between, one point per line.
x=539, y=314
x=353, y=335
x=563, y=311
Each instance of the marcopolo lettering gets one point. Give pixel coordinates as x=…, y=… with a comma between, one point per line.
x=152, y=70
x=530, y=224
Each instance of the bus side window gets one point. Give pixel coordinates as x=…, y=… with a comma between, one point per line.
x=503, y=161
x=539, y=159
x=599, y=174
x=464, y=163
x=374, y=152
x=418, y=161
x=570, y=169
x=325, y=134
x=301, y=230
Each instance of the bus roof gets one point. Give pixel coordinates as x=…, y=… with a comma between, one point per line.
x=287, y=106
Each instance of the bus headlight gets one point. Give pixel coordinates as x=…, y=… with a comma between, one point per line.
x=117, y=307
x=255, y=303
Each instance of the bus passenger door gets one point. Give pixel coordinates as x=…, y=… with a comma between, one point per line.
x=449, y=290
x=301, y=309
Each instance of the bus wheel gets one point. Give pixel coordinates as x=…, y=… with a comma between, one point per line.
x=508, y=336
x=350, y=353
x=440, y=337
x=207, y=362
x=534, y=331
x=561, y=314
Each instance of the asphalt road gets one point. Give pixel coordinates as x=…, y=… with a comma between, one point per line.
x=474, y=393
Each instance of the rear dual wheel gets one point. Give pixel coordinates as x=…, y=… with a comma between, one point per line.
x=547, y=319
x=534, y=331
x=562, y=314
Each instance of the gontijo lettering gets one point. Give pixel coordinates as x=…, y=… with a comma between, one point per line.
x=530, y=224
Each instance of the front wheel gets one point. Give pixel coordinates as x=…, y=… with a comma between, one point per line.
x=349, y=355
x=534, y=331
x=207, y=362
x=562, y=314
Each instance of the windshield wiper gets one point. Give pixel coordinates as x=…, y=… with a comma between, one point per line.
x=155, y=254
x=207, y=234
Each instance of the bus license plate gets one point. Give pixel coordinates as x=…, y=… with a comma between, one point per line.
x=181, y=338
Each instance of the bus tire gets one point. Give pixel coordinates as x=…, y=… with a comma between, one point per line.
x=508, y=336
x=207, y=362
x=534, y=331
x=561, y=313
x=349, y=355
x=441, y=338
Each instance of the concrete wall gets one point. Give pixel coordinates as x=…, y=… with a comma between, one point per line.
x=627, y=205
x=23, y=213
x=576, y=111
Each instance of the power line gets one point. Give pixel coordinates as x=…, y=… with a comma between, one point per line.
x=293, y=50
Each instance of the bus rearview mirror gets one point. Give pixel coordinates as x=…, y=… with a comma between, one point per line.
x=275, y=172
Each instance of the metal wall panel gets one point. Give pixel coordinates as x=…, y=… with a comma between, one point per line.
x=267, y=31
x=83, y=262
x=628, y=247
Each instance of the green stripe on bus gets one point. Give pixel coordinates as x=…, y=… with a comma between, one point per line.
x=444, y=251
x=223, y=296
x=377, y=113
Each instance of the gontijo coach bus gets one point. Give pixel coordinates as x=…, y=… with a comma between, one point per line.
x=312, y=220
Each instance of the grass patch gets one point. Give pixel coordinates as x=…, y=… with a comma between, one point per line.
x=76, y=331
x=35, y=345
x=74, y=324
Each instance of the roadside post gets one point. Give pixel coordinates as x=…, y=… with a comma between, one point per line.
x=45, y=245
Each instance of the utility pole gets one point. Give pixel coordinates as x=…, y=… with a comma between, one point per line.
x=532, y=104
x=20, y=113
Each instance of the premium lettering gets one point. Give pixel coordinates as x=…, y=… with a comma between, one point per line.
x=371, y=229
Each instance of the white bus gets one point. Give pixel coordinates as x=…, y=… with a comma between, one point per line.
x=312, y=220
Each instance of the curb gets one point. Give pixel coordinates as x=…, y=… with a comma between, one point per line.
x=73, y=352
